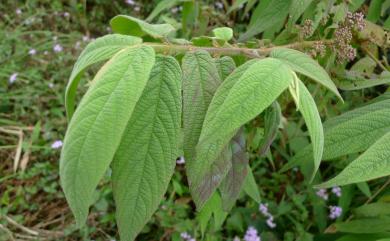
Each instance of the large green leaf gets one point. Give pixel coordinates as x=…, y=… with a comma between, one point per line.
x=357, y=82
x=312, y=118
x=266, y=19
x=200, y=81
x=145, y=160
x=232, y=184
x=101, y=49
x=367, y=225
x=305, y=65
x=296, y=10
x=254, y=91
x=373, y=163
x=133, y=26
x=373, y=209
x=96, y=129
x=374, y=11
x=343, y=134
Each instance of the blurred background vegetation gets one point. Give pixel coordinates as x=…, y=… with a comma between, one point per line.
x=39, y=43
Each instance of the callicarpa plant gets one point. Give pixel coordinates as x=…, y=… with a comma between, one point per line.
x=158, y=98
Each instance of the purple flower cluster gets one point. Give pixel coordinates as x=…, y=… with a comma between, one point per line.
x=251, y=234
x=319, y=48
x=57, y=144
x=13, y=78
x=335, y=212
x=336, y=191
x=263, y=208
x=180, y=160
x=187, y=237
x=307, y=28
x=343, y=36
x=322, y=193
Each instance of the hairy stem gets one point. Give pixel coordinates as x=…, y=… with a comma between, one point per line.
x=230, y=51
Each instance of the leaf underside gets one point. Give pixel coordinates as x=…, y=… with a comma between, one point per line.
x=101, y=49
x=90, y=142
x=145, y=160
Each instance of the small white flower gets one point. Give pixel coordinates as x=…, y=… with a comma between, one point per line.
x=137, y=9
x=180, y=161
x=85, y=38
x=55, y=38
x=51, y=85
x=45, y=52
x=66, y=15
x=77, y=45
x=32, y=51
x=18, y=11
x=219, y=5
x=57, y=144
x=57, y=48
x=130, y=2
x=13, y=78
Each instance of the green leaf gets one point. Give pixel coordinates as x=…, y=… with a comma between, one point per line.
x=297, y=8
x=200, y=81
x=358, y=82
x=225, y=66
x=305, y=65
x=373, y=210
x=367, y=225
x=161, y=6
x=223, y=33
x=373, y=163
x=101, y=49
x=364, y=237
x=253, y=92
x=343, y=134
x=133, y=26
x=145, y=160
x=231, y=186
x=364, y=188
x=374, y=11
x=266, y=19
x=272, y=119
x=312, y=118
x=250, y=186
x=236, y=5
x=90, y=142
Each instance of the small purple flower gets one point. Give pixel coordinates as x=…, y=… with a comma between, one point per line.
x=18, y=11
x=13, y=78
x=186, y=236
x=66, y=15
x=57, y=48
x=337, y=191
x=270, y=222
x=32, y=51
x=130, y=2
x=57, y=144
x=263, y=208
x=322, y=194
x=251, y=234
x=335, y=212
x=180, y=161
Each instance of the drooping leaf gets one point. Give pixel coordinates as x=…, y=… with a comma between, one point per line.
x=223, y=33
x=312, y=118
x=305, y=65
x=272, y=118
x=343, y=134
x=254, y=91
x=133, y=26
x=212, y=208
x=231, y=186
x=101, y=49
x=373, y=163
x=274, y=11
x=145, y=160
x=161, y=6
x=225, y=66
x=250, y=186
x=200, y=81
x=357, y=82
x=90, y=142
